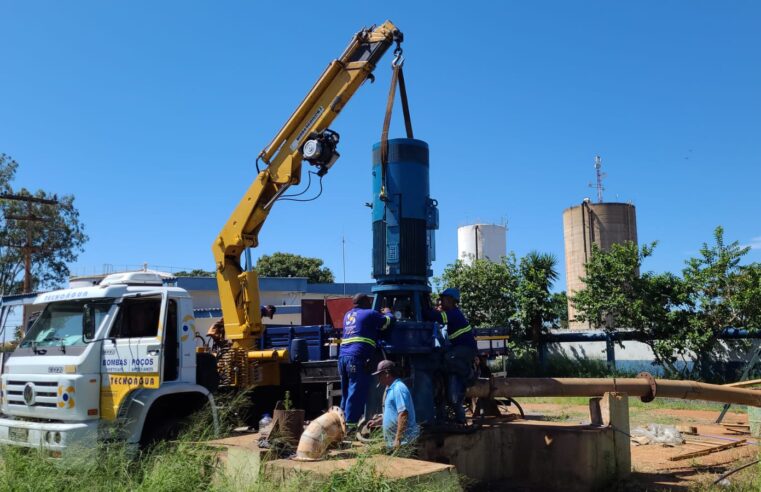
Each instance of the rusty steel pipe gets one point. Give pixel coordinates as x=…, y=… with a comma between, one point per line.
x=645, y=387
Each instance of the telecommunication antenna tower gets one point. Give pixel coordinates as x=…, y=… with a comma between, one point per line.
x=600, y=175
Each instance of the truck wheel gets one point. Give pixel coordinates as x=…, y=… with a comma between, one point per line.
x=167, y=429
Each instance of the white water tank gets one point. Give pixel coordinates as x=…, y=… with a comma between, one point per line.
x=481, y=241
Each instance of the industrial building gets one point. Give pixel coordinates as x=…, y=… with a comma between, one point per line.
x=298, y=302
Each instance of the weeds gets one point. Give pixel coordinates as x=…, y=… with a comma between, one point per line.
x=109, y=467
x=187, y=464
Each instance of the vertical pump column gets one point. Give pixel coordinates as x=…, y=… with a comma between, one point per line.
x=405, y=219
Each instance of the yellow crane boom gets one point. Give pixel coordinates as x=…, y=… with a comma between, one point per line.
x=304, y=136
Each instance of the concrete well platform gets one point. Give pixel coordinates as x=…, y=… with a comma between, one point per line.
x=535, y=454
x=245, y=460
x=543, y=455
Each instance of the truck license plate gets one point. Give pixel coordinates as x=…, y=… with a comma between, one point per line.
x=18, y=434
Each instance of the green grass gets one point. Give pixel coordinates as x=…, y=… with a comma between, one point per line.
x=744, y=480
x=183, y=465
x=636, y=404
x=168, y=467
x=180, y=466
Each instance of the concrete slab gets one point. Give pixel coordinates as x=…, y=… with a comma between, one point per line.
x=244, y=459
x=391, y=467
x=241, y=456
x=546, y=455
x=543, y=455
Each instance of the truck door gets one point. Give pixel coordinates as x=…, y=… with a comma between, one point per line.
x=171, y=361
x=132, y=353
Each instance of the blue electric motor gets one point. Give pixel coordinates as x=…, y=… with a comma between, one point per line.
x=404, y=215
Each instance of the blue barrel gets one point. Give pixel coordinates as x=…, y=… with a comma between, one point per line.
x=299, y=350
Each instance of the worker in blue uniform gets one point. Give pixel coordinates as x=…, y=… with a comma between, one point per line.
x=461, y=348
x=362, y=326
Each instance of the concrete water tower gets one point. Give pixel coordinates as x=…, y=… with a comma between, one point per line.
x=481, y=242
x=603, y=224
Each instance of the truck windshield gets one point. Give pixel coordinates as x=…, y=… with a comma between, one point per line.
x=64, y=323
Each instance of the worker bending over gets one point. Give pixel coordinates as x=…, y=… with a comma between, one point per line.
x=268, y=311
x=461, y=349
x=399, y=424
x=362, y=326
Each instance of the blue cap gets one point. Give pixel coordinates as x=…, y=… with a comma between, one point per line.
x=453, y=293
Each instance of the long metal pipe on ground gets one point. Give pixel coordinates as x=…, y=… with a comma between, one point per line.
x=644, y=387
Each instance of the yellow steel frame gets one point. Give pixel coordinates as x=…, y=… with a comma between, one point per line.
x=239, y=289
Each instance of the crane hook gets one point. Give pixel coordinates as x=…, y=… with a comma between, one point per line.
x=398, y=60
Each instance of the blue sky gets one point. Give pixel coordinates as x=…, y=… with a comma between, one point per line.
x=152, y=113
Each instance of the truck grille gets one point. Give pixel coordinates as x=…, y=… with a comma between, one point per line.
x=44, y=393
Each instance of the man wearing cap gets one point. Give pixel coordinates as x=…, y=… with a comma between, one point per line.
x=362, y=326
x=268, y=311
x=399, y=424
x=461, y=350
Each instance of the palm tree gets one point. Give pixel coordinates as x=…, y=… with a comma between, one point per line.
x=538, y=273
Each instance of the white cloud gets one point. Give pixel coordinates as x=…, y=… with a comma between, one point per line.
x=755, y=243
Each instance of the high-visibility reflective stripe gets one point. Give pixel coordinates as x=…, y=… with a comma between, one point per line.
x=386, y=323
x=349, y=340
x=459, y=332
x=444, y=319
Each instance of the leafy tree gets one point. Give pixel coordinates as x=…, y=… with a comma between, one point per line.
x=537, y=273
x=724, y=294
x=559, y=310
x=747, y=301
x=290, y=265
x=612, y=286
x=487, y=290
x=196, y=272
x=616, y=295
x=53, y=231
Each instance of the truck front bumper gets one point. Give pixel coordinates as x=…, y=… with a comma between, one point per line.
x=54, y=437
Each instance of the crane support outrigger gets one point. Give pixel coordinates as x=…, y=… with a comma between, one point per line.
x=305, y=136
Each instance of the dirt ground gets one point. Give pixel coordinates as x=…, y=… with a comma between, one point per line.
x=651, y=467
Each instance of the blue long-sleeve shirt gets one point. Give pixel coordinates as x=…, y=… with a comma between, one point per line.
x=361, y=330
x=459, y=331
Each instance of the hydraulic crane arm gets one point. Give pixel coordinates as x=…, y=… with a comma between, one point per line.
x=304, y=136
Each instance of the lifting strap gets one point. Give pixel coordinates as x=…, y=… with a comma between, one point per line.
x=397, y=77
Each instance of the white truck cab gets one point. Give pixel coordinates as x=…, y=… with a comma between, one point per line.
x=119, y=356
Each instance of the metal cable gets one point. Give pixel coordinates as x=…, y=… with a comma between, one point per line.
x=309, y=183
x=305, y=199
x=732, y=472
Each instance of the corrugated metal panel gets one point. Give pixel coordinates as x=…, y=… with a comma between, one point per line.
x=337, y=308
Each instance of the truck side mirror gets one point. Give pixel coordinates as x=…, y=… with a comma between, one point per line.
x=88, y=322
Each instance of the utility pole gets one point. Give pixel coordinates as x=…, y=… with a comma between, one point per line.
x=28, y=248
